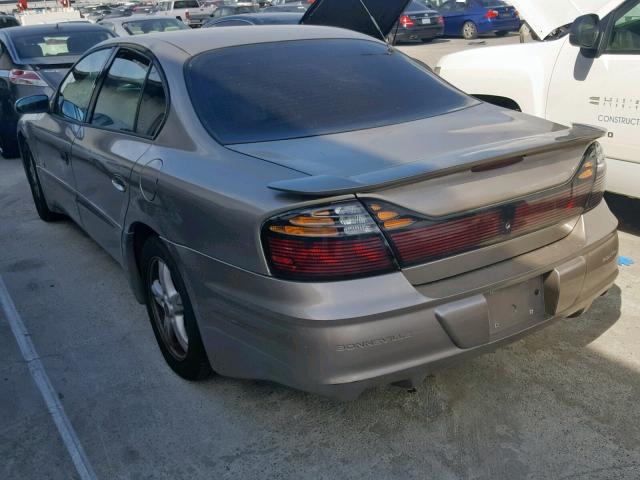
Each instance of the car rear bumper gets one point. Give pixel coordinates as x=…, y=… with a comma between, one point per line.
x=338, y=339
x=499, y=25
x=419, y=33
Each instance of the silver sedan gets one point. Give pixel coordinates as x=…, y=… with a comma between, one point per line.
x=308, y=205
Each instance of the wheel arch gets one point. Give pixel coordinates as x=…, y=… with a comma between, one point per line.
x=134, y=239
x=500, y=101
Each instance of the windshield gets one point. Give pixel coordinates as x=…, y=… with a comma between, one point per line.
x=31, y=45
x=276, y=91
x=154, y=25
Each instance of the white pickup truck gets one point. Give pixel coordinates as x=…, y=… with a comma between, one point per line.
x=585, y=70
x=188, y=11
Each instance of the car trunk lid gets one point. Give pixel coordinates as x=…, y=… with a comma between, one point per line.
x=52, y=73
x=404, y=161
x=354, y=15
x=479, y=186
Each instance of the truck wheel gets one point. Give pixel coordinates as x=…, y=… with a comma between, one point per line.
x=469, y=31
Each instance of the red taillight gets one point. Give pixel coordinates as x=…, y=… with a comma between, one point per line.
x=416, y=239
x=406, y=21
x=26, y=77
x=491, y=14
x=334, y=242
x=440, y=20
x=596, y=154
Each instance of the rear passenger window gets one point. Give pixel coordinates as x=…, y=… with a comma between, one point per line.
x=117, y=103
x=153, y=105
x=77, y=87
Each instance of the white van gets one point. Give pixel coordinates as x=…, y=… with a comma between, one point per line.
x=584, y=71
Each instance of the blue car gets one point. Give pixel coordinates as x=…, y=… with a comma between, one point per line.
x=471, y=18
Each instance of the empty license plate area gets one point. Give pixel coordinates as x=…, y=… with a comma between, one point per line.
x=515, y=308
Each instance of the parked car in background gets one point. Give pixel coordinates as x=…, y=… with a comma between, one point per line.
x=7, y=21
x=226, y=10
x=287, y=211
x=417, y=22
x=285, y=9
x=33, y=59
x=139, y=24
x=262, y=18
x=470, y=18
x=291, y=3
x=565, y=80
x=182, y=9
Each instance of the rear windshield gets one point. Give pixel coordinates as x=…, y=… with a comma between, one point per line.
x=30, y=45
x=276, y=91
x=154, y=25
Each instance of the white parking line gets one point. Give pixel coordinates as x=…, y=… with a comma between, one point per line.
x=67, y=433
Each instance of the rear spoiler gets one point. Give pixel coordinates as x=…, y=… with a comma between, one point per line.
x=461, y=160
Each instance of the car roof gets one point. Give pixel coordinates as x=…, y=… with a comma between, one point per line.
x=201, y=40
x=263, y=18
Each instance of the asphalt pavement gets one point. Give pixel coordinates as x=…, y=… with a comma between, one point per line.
x=561, y=403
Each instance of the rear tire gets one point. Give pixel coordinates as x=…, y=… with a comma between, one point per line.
x=171, y=313
x=469, y=31
x=37, y=193
x=501, y=34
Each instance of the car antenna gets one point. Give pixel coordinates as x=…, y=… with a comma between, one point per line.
x=373, y=20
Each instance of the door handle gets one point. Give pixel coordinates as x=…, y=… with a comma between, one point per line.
x=65, y=157
x=118, y=184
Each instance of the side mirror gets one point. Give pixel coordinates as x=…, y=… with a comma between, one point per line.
x=586, y=33
x=32, y=104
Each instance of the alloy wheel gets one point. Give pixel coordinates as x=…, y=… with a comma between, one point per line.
x=168, y=309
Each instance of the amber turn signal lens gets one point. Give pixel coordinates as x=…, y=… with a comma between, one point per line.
x=398, y=223
x=315, y=221
x=304, y=232
x=387, y=215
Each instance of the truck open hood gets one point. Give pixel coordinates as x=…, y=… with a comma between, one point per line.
x=544, y=16
x=352, y=15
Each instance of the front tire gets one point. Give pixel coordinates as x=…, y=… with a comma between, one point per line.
x=171, y=313
x=37, y=193
x=469, y=31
